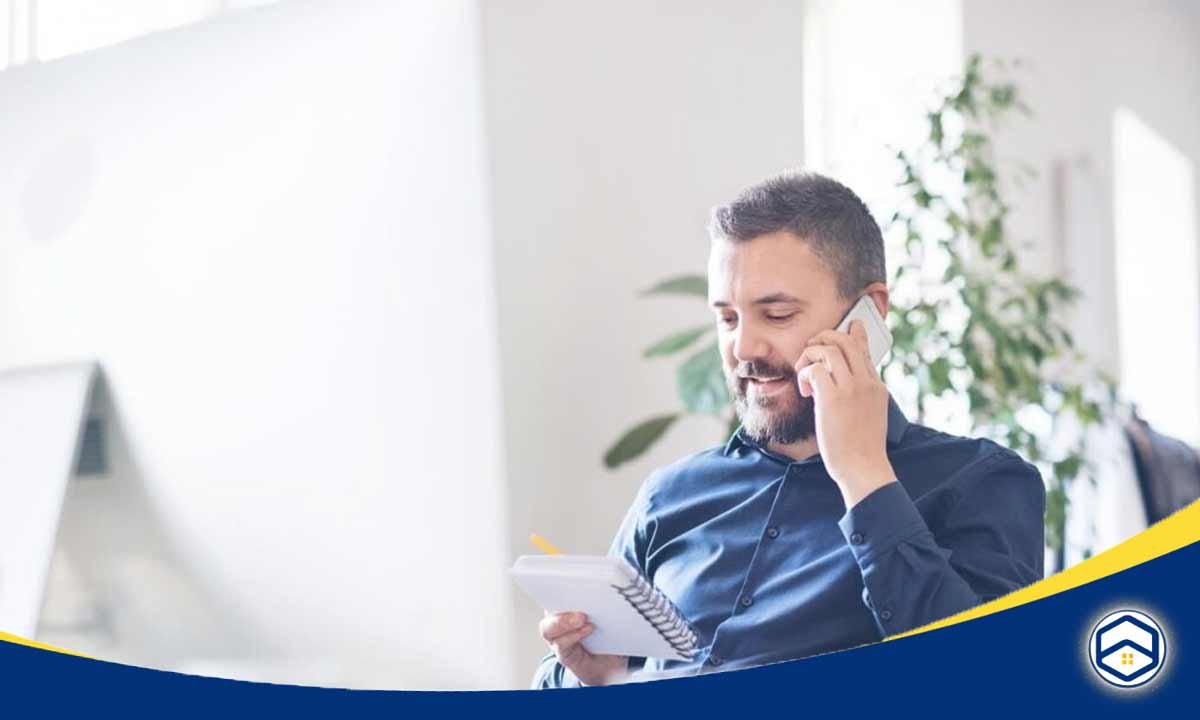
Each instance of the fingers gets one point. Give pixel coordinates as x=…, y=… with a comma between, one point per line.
x=553, y=627
x=569, y=648
x=858, y=332
x=815, y=379
x=855, y=348
x=831, y=357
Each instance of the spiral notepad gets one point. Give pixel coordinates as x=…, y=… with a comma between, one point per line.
x=631, y=616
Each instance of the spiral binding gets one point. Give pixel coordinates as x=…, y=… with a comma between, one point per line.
x=661, y=613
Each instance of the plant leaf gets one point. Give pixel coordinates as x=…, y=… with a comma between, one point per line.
x=681, y=285
x=676, y=342
x=637, y=440
x=1067, y=468
x=701, y=384
x=939, y=376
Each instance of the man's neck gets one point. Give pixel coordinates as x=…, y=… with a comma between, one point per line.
x=799, y=450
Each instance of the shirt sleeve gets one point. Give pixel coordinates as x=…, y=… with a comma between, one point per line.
x=991, y=544
x=551, y=675
x=631, y=543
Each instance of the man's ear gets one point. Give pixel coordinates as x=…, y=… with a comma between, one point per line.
x=879, y=293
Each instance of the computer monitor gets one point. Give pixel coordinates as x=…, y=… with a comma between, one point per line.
x=270, y=230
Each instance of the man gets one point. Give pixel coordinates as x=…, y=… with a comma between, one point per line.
x=828, y=520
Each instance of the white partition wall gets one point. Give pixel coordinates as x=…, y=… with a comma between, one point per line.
x=613, y=129
x=271, y=230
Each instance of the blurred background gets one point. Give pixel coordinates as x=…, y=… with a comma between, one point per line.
x=310, y=312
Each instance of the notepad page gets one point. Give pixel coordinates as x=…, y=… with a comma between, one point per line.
x=573, y=583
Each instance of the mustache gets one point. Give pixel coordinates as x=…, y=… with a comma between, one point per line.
x=761, y=368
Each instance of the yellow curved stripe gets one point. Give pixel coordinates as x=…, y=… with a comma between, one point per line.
x=18, y=640
x=1171, y=533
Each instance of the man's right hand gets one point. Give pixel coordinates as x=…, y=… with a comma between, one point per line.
x=564, y=633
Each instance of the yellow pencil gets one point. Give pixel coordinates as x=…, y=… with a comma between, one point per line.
x=543, y=544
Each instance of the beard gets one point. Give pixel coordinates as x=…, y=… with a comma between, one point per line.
x=784, y=418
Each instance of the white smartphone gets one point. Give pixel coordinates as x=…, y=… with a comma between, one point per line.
x=879, y=338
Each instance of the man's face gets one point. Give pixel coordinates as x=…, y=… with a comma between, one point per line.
x=770, y=295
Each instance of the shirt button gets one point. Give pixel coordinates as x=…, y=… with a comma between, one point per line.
x=714, y=660
x=747, y=601
x=856, y=538
x=772, y=532
x=885, y=614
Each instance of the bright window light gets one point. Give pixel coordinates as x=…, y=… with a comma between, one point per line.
x=65, y=27
x=17, y=15
x=1157, y=269
x=5, y=30
x=868, y=85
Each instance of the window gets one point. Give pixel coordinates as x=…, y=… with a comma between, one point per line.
x=1157, y=271
x=38, y=30
x=860, y=58
x=16, y=20
x=66, y=27
x=5, y=41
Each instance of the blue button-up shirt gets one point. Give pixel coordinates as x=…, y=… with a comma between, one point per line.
x=758, y=551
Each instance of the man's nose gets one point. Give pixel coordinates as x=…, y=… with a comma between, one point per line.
x=749, y=345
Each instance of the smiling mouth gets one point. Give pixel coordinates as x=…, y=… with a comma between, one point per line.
x=767, y=385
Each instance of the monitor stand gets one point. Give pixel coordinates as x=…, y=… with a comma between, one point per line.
x=43, y=415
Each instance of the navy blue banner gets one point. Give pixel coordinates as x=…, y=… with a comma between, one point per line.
x=1032, y=660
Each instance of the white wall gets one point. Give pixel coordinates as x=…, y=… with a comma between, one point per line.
x=614, y=128
x=271, y=229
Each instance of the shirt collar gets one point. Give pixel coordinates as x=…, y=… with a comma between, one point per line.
x=897, y=424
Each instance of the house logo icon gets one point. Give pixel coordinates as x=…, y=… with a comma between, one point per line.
x=1127, y=648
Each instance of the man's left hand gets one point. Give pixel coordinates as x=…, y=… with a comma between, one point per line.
x=851, y=410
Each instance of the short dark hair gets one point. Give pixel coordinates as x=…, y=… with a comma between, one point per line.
x=817, y=209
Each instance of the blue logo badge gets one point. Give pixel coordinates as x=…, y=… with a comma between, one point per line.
x=1127, y=648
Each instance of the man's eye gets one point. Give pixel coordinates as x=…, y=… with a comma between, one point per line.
x=787, y=316
x=728, y=320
